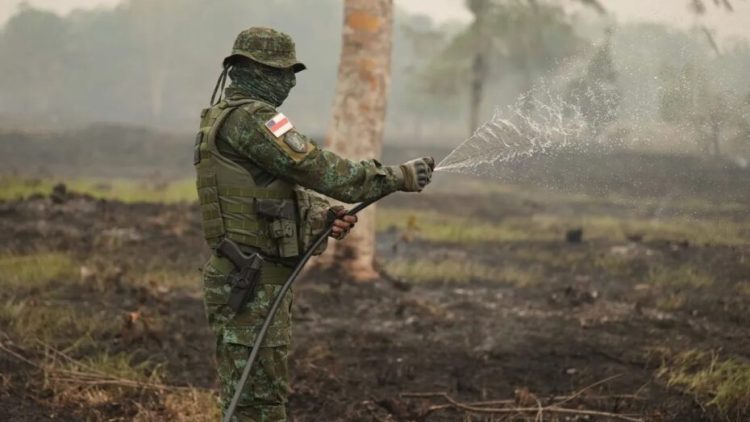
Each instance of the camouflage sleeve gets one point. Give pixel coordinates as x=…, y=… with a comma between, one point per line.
x=297, y=159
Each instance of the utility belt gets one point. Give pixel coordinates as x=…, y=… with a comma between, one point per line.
x=273, y=273
x=246, y=272
x=279, y=224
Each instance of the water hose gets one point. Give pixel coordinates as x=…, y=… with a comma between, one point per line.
x=275, y=307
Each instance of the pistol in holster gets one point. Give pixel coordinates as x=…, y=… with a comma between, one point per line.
x=246, y=276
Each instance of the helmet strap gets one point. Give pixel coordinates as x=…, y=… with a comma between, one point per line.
x=219, y=87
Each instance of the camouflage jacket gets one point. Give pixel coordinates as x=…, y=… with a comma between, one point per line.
x=293, y=157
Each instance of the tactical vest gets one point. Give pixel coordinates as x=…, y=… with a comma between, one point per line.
x=277, y=219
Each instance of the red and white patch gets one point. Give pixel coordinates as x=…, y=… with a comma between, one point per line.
x=279, y=125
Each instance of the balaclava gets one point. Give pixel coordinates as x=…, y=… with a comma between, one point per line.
x=254, y=80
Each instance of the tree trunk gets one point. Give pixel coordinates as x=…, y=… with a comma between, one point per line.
x=478, y=76
x=716, y=136
x=479, y=65
x=356, y=129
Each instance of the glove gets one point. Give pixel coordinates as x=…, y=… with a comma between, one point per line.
x=342, y=223
x=417, y=174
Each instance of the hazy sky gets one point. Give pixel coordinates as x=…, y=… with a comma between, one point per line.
x=671, y=11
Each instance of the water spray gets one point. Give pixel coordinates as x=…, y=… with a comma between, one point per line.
x=529, y=128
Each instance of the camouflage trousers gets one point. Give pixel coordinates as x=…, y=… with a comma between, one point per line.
x=265, y=395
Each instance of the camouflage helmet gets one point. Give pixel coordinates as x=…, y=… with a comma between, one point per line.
x=266, y=46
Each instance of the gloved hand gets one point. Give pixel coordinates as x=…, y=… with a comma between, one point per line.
x=417, y=173
x=342, y=223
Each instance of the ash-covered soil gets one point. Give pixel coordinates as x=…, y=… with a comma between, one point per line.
x=361, y=349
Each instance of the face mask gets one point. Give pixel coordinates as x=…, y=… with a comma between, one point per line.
x=262, y=82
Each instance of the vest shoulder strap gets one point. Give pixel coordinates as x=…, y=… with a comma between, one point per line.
x=227, y=107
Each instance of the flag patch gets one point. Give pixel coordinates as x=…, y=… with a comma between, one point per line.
x=279, y=125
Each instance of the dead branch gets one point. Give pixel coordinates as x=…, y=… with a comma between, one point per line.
x=583, y=390
x=119, y=382
x=539, y=410
x=17, y=356
x=89, y=376
x=510, y=402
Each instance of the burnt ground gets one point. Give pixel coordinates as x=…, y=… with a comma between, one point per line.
x=593, y=313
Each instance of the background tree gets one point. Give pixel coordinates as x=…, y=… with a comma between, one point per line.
x=356, y=129
x=506, y=36
x=33, y=50
x=114, y=65
x=595, y=92
x=741, y=140
x=700, y=8
x=417, y=108
x=690, y=101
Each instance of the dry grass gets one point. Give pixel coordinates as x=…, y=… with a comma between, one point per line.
x=683, y=276
x=106, y=365
x=48, y=323
x=519, y=195
x=438, y=227
x=570, y=259
x=28, y=321
x=37, y=310
x=671, y=302
x=744, y=288
x=162, y=279
x=33, y=306
x=190, y=406
x=723, y=383
x=619, y=265
x=441, y=227
x=716, y=232
x=455, y=271
x=102, y=379
x=26, y=272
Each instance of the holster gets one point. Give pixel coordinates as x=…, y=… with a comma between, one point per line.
x=245, y=278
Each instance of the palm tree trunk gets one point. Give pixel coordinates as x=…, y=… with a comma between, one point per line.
x=478, y=75
x=356, y=129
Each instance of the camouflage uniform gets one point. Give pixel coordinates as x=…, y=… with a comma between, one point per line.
x=242, y=141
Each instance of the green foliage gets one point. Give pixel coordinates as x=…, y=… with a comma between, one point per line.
x=683, y=92
x=689, y=99
x=28, y=282
x=506, y=38
x=151, y=61
x=441, y=227
x=723, y=383
x=126, y=190
x=717, y=232
x=596, y=93
x=34, y=50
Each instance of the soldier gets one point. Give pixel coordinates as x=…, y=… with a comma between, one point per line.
x=255, y=177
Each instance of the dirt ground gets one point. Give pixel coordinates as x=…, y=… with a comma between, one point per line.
x=601, y=312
